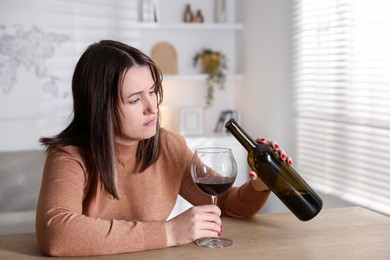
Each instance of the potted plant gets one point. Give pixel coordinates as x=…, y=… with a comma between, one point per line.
x=214, y=64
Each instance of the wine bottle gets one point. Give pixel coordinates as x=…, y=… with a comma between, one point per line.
x=280, y=177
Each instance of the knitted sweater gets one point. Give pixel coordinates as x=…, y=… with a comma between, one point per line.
x=77, y=217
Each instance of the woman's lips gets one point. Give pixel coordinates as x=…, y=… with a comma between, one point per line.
x=150, y=122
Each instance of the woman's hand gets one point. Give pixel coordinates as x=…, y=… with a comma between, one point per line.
x=281, y=152
x=194, y=223
x=256, y=182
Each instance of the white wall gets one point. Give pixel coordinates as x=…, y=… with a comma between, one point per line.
x=29, y=111
x=265, y=98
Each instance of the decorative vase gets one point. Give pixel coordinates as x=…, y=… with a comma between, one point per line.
x=220, y=15
x=210, y=63
x=188, y=16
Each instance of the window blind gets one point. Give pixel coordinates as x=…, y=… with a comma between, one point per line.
x=341, y=75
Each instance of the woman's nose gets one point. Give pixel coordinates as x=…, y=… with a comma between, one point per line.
x=153, y=109
x=151, y=106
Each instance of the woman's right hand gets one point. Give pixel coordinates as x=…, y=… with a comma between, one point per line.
x=194, y=223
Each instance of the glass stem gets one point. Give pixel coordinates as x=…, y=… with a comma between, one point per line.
x=213, y=200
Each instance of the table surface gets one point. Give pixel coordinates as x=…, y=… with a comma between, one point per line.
x=343, y=233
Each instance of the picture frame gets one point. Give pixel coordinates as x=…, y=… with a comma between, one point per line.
x=149, y=11
x=191, y=120
x=225, y=116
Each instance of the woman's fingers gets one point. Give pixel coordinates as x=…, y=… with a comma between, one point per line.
x=289, y=160
x=276, y=146
x=207, y=221
x=194, y=223
x=282, y=154
x=211, y=216
x=252, y=175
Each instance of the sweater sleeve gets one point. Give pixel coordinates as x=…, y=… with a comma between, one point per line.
x=63, y=230
x=242, y=202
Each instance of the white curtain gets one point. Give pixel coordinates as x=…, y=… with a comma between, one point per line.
x=341, y=67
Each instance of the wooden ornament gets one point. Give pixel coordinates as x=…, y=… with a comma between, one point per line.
x=165, y=57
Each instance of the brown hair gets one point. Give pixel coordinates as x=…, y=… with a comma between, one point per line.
x=96, y=87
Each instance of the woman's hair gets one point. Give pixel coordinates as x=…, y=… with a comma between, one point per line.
x=97, y=94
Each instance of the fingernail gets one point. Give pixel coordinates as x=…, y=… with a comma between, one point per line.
x=219, y=234
x=262, y=139
x=276, y=146
x=283, y=156
x=252, y=174
x=290, y=162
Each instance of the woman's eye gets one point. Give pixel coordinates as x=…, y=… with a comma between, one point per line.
x=134, y=101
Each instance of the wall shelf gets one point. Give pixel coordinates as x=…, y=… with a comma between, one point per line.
x=189, y=86
x=187, y=26
x=198, y=77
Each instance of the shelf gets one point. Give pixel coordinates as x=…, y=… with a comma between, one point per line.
x=188, y=26
x=198, y=77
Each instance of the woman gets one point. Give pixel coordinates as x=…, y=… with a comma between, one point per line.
x=112, y=177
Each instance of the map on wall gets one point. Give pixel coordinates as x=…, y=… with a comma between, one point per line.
x=40, y=43
x=35, y=72
x=30, y=48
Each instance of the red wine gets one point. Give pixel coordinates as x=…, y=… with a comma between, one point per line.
x=214, y=186
x=281, y=178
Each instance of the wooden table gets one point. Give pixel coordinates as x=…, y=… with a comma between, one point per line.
x=346, y=233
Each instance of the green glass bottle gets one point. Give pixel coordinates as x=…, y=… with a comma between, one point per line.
x=280, y=177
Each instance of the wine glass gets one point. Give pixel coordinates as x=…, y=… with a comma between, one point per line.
x=213, y=170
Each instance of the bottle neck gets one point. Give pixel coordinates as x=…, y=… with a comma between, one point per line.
x=245, y=140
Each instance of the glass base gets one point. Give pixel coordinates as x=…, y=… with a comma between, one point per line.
x=214, y=242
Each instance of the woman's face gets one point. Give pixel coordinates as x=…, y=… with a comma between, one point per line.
x=139, y=107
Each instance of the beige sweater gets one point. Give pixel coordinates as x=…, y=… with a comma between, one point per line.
x=76, y=217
